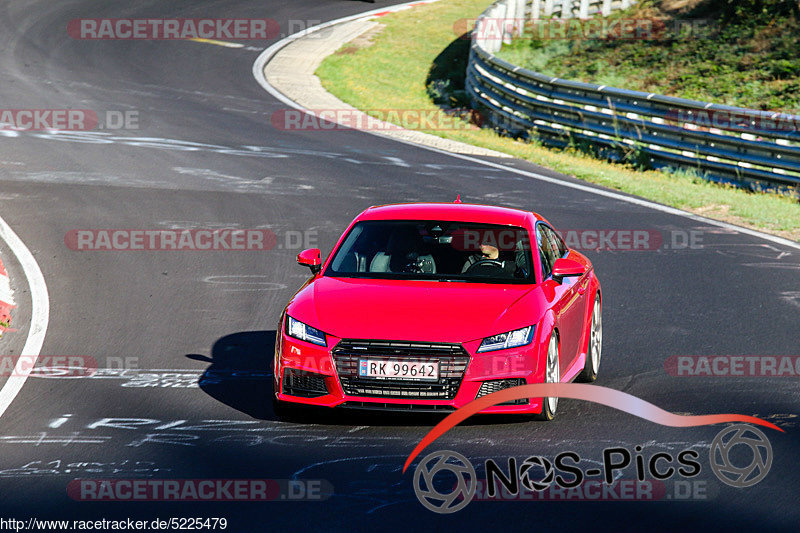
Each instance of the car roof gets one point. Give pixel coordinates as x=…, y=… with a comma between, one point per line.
x=488, y=214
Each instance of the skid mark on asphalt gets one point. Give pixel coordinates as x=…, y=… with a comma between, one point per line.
x=85, y=178
x=244, y=283
x=214, y=175
x=262, y=185
x=153, y=434
x=377, y=158
x=792, y=297
x=261, y=435
x=212, y=179
x=749, y=250
x=152, y=378
x=159, y=92
x=378, y=481
x=193, y=224
x=780, y=266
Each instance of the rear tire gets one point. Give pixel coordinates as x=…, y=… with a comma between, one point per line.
x=552, y=374
x=595, y=350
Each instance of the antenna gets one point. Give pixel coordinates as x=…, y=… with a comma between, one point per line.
x=458, y=199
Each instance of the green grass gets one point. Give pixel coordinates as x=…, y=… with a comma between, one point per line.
x=417, y=62
x=745, y=52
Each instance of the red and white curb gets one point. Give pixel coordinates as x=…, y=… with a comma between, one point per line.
x=6, y=300
x=39, y=314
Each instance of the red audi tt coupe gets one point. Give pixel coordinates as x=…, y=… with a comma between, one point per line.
x=428, y=306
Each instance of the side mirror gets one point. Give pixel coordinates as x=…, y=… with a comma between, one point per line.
x=564, y=268
x=310, y=258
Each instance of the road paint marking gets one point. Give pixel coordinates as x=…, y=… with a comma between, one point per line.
x=40, y=316
x=226, y=44
x=397, y=161
x=265, y=56
x=42, y=438
x=86, y=468
x=57, y=423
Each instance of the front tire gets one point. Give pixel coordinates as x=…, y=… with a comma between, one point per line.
x=552, y=374
x=592, y=366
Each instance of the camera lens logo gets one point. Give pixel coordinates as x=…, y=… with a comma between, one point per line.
x=459, y=494
x=525, y=473
x=740, y=435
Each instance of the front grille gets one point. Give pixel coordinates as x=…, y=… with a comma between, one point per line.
x=494, y=385
x=305, y=384
x=452, y=360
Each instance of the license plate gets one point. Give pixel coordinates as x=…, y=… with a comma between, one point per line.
x=406, y=370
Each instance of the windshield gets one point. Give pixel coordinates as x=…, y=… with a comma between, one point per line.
x=436, y=250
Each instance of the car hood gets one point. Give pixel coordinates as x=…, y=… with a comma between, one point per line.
x=430, y=311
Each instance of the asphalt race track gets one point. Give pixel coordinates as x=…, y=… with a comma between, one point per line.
x=185, y=337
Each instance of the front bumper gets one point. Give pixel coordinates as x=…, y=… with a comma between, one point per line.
x=305, y=373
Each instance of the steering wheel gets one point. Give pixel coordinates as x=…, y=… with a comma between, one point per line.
x=414, y=267
x=483, y=263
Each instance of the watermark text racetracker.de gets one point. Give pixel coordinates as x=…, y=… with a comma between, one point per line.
x=168, y=29
x=584, y=239
x=724, y=366
x=217, y=490
x=67, y=366
x=215, y=29
x=588, y=239
x=632, y=239
x=375, y=120
x=576, y=29
x=195, y=239
x=596, y=490
x=715, y=120
x=64, y=366
x=39, y=119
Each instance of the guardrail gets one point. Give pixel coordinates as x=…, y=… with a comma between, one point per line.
x=751, y=148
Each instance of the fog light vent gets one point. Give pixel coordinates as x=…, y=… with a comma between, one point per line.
x=494, y=385
x=305, y=384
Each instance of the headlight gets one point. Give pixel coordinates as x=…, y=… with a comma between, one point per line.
x=304, y=332
x=511, y=339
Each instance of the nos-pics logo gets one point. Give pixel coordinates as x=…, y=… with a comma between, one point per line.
x=453, y=474
x=445, y=481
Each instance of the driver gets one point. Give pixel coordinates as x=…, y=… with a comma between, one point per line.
x=489, y=252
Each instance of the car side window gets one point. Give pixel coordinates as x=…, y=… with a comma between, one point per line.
x=546, y=253
x=556, y=242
